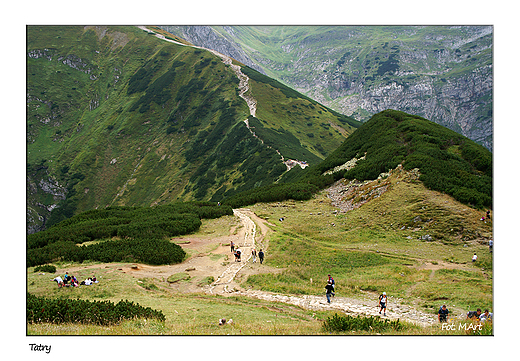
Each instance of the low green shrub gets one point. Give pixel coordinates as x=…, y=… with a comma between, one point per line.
x=144, y=232
x=338, y=323
x=40, y=309
x=176, y=277
x=49, y=268
x=206, y=281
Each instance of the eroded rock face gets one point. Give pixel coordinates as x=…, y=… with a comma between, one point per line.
x=43, y=195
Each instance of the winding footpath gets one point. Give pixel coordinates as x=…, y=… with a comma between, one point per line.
x=366, y=305
x=225, y=284
x=246, y=245
x=243, y=92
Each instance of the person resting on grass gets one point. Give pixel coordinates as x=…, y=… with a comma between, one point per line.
x=59, y=281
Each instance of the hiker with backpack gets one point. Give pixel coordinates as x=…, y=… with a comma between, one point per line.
x=261, y=256
x=239, y=255
x=443, y=314
x=329, y=289
x=382, y=303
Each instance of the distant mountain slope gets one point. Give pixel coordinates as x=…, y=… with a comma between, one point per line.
x=443, y=73
x=117, y=116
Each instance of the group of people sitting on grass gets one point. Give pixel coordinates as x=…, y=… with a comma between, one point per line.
x=72, y=281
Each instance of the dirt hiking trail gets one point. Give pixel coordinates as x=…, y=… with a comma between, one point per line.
x=212, y=256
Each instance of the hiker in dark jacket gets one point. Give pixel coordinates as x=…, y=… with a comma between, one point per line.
x=443, y=314
x=474, y=314
x=261, y=256
x=329, y=289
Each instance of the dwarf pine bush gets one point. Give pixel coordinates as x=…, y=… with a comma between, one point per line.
x=338, y=323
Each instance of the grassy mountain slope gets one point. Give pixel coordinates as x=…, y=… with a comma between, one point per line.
x=443, y=73
x=447, y=161
x=116, y=116
x=380, y=246
x=391, y=234
x=376, y=233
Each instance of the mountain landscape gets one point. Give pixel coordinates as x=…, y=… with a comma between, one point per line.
x=117, y=116
x=150, y=160
x=442, y=73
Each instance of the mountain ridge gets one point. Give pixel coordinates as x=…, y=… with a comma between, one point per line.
x=443, y=73
x=116, y=116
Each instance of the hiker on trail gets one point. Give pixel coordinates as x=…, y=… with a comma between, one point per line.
x=474, y=314
x=382, y=303
x=59, y=281
x=329, y=289
x=443, y=314
x=253, y=254
x=261, y=256
x=331, y=280
x=490, y=245
x=239, y=255
x=232, y=247
x=236, y=256
x=474, y=259
x=486, y=316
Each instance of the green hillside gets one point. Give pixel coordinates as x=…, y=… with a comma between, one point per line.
x=116, y=116
x=131, y=141
x=447, y=162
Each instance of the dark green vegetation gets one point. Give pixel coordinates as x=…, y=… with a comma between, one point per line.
x=49, y=268
x=40, y=309
x=118, y=117
x=125, y=234
x=342, y=323
x=273, y=193
x=448, y=162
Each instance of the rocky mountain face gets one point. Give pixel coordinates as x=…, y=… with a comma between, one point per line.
x=442, y=73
